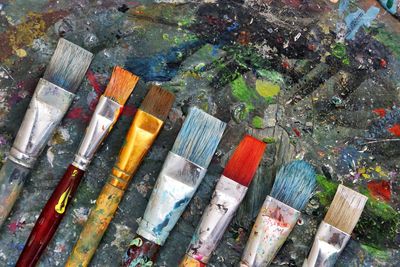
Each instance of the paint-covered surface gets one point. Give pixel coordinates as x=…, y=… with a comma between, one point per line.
x=312, y=78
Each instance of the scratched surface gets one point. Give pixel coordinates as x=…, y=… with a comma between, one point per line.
x=314, y=79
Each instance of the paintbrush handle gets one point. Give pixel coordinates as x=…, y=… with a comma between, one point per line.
x=12, y=178
x=50, y=217
x=141, y=253
x=96, y=225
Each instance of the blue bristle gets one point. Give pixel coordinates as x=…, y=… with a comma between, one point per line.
x=294, y=184
x=199, y=137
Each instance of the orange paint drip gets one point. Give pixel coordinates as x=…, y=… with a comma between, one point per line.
x=380, y=189
x=395, y=129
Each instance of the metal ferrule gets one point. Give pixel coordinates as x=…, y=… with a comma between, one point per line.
x=329, y=242
x=272, y=227
x=141, y=135
x=175, y=186
x=103, y=119
x=48, y=106
x=216, y=218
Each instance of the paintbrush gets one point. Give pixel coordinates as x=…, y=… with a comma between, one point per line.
x=335, y=230
x=146, y=125
x=229, y=193
x=52, y=97
x=293, y=187
x=106, y=114
x=180, y=176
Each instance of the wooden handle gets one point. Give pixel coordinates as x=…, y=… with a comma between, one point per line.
x=141, y=253
x=96, y=225
x=51, y=216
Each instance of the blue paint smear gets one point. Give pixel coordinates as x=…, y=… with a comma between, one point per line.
x=389, y=5
x=181, y=203
x=348, y=158
x=162, y=66
x=343, y=5
x=233, y=27
x=359, y=18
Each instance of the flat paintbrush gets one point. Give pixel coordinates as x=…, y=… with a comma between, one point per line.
x=229, y=193
x=52, y=97
x=106, y=114
x=180, y=176
x=144, y=129
x=293, y=187
x=335, y=230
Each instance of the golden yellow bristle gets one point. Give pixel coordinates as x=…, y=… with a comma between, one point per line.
x=121, y=85
x=345, y=209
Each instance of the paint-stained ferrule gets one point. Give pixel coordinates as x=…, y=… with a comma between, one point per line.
x=216, y=218
x=140, y=137
x=175, y=186
x=272, y=227
x=103, y=119
x=48, y=106
x=329, y=242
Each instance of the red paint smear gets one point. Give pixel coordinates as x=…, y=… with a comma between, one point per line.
x=93, y=81
x=14, y=226
x=129, y=111
x=380, y=111
x=380, y=189
x=383, y=63
x=97, y=88
x=297, y=132
x=395, y=129
x=78, y=113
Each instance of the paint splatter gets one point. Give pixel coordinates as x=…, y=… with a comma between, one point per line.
x=359, y=18
x=395, y=129
x=380, y=189
x=267, y=89
x=380, y=111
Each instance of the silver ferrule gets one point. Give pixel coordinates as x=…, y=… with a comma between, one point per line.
x=216, y=218
x=48, y=106
x=271, y=229
x=103, y=119
x=329, y=242
x=175, y=186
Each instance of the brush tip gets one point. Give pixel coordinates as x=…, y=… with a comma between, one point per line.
x=121, y=85
x=158, y=102
x=294, y=184
x=243, y=164
x=68, y=65
x=345, y=209
x=199, y=137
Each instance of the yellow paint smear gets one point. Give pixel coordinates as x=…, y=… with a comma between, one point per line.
x=266, y=88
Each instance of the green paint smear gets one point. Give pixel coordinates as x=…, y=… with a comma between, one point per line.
x=242, y=92
x=378, y=222
x=339, y=51
x=258, y=122
x=270, y=75
x=269, y=140
x=390, y=40
x=376, y=253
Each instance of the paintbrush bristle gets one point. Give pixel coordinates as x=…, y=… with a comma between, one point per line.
x=68, y=65
x=199, y=137
x=345, y=209
x=121, y=85
x=243, y=164
x=158, y=102
x=294, y=184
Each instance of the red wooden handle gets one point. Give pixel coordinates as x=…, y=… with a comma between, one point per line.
x=142, y=251
x=50, y=217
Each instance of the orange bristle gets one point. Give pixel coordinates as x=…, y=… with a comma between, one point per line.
x=121, y=85
x=243, y=164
